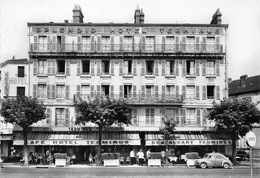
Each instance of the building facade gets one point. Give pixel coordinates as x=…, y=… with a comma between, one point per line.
x=165, y=71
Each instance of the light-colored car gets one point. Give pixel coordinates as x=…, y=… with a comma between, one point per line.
x=213, y=160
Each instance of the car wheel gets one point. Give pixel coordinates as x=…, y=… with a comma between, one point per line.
x=246, y=158
x=203, y=165
x=226, y=165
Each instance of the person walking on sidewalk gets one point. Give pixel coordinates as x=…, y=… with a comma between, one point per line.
x=132, y=157
x=140, y=155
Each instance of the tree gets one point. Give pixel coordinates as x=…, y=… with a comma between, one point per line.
x=23, y=111
x=168, y=131
x=235, y=116
x=103, y=112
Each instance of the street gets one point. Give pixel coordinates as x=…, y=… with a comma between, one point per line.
x=126, y=172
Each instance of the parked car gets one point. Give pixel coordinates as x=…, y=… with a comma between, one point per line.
x=242, y=155
x=213, y=160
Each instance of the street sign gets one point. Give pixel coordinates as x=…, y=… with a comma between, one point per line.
x=251, y=139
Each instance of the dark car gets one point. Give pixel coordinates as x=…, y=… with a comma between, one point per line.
x=242, y=155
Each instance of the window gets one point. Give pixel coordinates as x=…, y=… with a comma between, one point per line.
x=190, y=67
x=20, y=71
x=149, y=43
x=170, y=43
x=170, y=114
x=169, y=92
x=42, y=90
x=105, y=90
x=149, y=67
x=210, y=44
x=210, y=92
x=190, y=117
x=60, y=117
x=42, y=43
x=105, y=67
x=127, y=91
x=149, y=91
x=86, y=43
x=190, y=46
x=60, y=91
x=128, y=42
x=42, y=65
x=210, y=68
x=169, y=67
x=149, y=113
x=128, y=67
x=20, y=91
x=61, y=66
x=105, y=43
x=190, y=92
x=134, y=117
x=85, y=66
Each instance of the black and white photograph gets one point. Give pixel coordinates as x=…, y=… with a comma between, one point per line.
x=129, y=88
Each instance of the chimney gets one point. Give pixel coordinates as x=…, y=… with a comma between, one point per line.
x=243, y=80
x=216, y=18
x=77, y=14
x=139, y=16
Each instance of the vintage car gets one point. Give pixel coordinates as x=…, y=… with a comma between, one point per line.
x=242, y=155
x=213, y=160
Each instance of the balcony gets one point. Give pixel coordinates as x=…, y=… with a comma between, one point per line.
x=139, y=99
x=125, y=48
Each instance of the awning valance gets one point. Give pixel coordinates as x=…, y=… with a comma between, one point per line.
x=185, y=139
x=81, y=139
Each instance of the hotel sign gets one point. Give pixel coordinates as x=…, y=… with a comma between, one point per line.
x=188, y=142
x=77, y=142
x=17, y=81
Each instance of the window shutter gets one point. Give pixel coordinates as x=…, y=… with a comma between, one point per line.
x=35, y=67
x=121, y=91
x=35, y=43
x=177, y=44
x=53, y=91
x=183, y=92
x=135, y=65
x=152, y=116
x=217, y=67
x=204, y=67
x=121, y=67
x=112, y=91
x=112, y=67
x=183, y=116
x=197, y=44
x=163, y=43
x=163, y=92
x=67, y=67
x=178, y=116
x=48, y=91
x=135, y=116
x=197, y=67
x=143, y=67
x=79, y=43
x=198, y=117
x=197, y=92
x=78, y=91
x=98, y=89
x=112, y=43
x=34, y=91
x=143, y=43
x=92, y=91
x=53, y=66
x=147, y=115
x=183, y=44
x=177, y=91
x=134, y=91
x=67, y=92
x=218, y=92
x=98, y=43
x=204, y=47
x=92, y=43
x=92, y=64
x=49, y=43
x=62, y=43
x=156, y=67
x=156, y=91
x=217, y=44
x=183, y=67
x=98, y=67
x=142, y=91
x=162, y=115
x=204, y=119
x=78, y=67
x=176, y=67
x=168, y=67
x=49, y=66
x=204, y=92
x=54, y=43
x=67, y=117
x=163, y=67
x=121, y=39
x=48, y=121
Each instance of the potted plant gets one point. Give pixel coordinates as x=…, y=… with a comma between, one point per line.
x=190, y=158
x=111, y=159
x=60, y=159
x=155, y=159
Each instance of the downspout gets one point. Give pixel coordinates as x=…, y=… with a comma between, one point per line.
x=226, y=65
x=29, y=63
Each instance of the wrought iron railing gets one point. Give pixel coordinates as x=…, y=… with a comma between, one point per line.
x=149, y=48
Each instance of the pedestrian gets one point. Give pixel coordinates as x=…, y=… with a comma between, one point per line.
x=163, y=157
x=148, y=154
x=90, y=159
x=132, y=157
x=140, y=155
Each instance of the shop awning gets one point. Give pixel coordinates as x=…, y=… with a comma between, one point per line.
x=182, y=139
x=80, y=139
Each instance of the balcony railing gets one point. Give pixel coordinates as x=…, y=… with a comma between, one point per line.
x=137, y=99
x=105, y=48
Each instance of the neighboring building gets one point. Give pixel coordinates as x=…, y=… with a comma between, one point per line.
x=172, y=71
x=14, y=81
x=247, y=88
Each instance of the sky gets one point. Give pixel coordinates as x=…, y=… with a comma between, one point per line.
x=243, y=51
